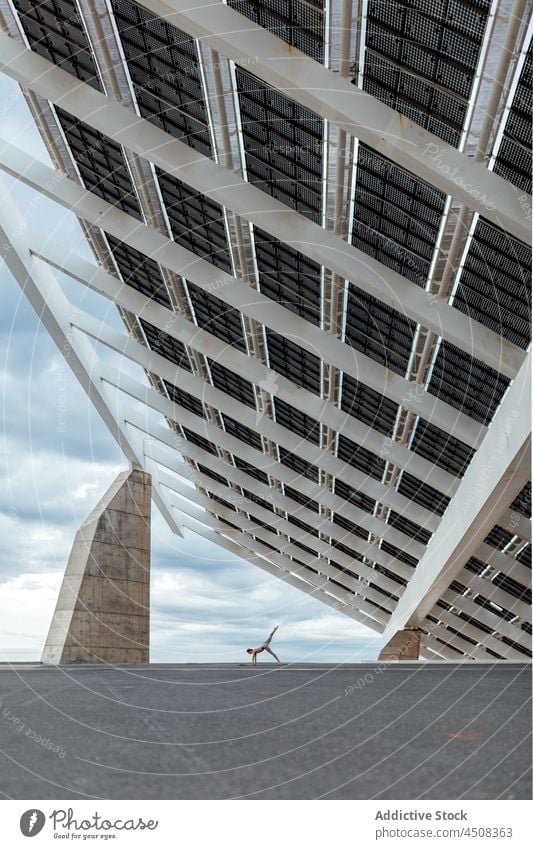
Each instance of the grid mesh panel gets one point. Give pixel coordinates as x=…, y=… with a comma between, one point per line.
x=494, y=288
x=298, y=22
x=378, y=331
x=163, y=65
x=288, y=277
x=170, y=348
x=421, y=59
x=101, y=164
x=197, y=222
x=368, y=406
x=466, y=384
x=55, y=31
x=139, y=272
x=218, y=318
x=293, y=362
x=396, y=216
x=296, y=421
x=514, y=157
x=441, y=448
x=283, y=145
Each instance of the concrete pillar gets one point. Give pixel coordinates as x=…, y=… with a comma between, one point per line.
x=404, y=645
x=102, y=613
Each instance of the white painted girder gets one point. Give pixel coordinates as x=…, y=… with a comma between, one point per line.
x=322, y=549
x=50, y=304
x=495, y=476
x=237, y=294
x=179, y=327
x=242, y=413
x=299, y=577
x=327, y=94
x=159, y=450
x=302, y=485
x=209, y=506
x=233, y=192
x=486, y=616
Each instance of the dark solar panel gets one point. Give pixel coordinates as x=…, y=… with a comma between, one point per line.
x=298, y=22
x=512, y=587
x=216, y=317
x=498, y=537
x=101, y=164
x=197, y=222
x=378, y=331
x=409, y=528
x=522, y=503
x=307, y=470
x=254, y=472
x=440, y=448
x=303, y=527
x=514, y=157
x=184, y=399
x=213, y=475
x=257, y=500
x=368, y=406
x=166, y=345
x=360, y=458
x=235, y=428
x=229, y=382
x=421, y=59
x=283, y=145
x=200, y=441
x=296, y=421
x=396, y=552
x=353, y=497
x=466, y=384
x=524, y=557
x=346, y=525
x=55, y=31
x=301, y=498
x=288, y=277
x=396, y=216
x=163, y=65
x=494, y=288
x=423, y=494
x=139, y=272
x=293, y=362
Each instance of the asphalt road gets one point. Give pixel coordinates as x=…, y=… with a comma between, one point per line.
x=401, y=731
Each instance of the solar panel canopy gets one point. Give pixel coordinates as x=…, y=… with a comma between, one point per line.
x=313, y=423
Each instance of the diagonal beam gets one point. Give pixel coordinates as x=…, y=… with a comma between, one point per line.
x=240, y=412
x=169, y=439
x=297, y=576
x=496, y=475
x=160, y=452
x=311, y=84
x=210, y=506
x=234, y=193
x=237, y=294
x=179, y=327
x=54, y=310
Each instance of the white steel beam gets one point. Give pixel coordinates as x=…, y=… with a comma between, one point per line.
x=161, y=453
x=221, y=401
x=496, y=475
x=167, y=438
x=206, y=507
x=504, y=563
x=303, y=579
x=324, y=552
x=237, y=294
x=489, y=618
x=50, y=304
x=254, y=545
x=179, y=327
x=309, y=83
x=244, y=199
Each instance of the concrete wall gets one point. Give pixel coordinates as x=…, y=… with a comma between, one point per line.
x=102, y=613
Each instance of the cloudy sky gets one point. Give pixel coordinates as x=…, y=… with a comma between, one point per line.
x=57, y=459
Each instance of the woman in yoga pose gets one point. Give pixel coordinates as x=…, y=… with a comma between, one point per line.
x=264, y=647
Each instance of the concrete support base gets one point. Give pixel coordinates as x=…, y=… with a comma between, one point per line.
x=405, y=645
x=102, y=614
